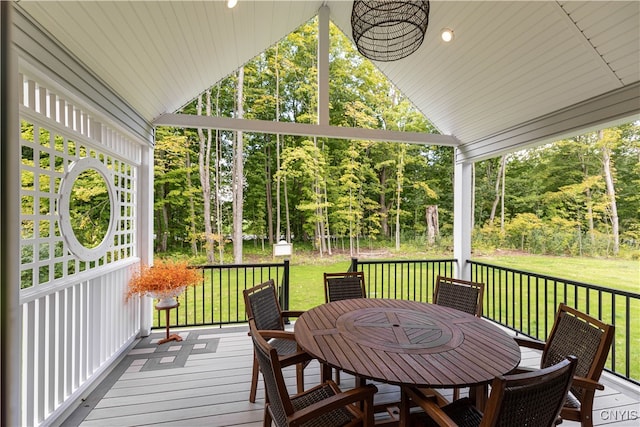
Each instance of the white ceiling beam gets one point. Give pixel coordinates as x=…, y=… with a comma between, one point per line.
x=303, y=129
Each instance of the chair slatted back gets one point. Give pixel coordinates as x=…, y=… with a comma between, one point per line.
x=341, y=286
x=261, y=304
x=459, y=294
x=267, y=356
x=587, y=338
x=531, y=399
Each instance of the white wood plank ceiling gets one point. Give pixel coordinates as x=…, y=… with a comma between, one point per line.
x=517, y=72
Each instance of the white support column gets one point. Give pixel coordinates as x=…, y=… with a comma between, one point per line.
x=10, y=324
x=462, y=214
x=145, y=230
x=323, y=66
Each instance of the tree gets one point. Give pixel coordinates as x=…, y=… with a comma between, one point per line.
x=399, y=181
x=171, y=201
x=306, y=165
x=238, y=176
x=204, y=167
x=348, y=210
x=499, y=193
x=607, y=139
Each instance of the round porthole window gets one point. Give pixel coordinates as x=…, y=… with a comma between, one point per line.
x=87, y=208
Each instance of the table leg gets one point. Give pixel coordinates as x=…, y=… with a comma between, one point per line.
x=172, y=337
x=478, y=395
x=405, y=408
x=325, y=373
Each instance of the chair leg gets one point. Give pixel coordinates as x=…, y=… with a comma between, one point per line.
x=337, y=376
x=300, y=377
x=368, y=412
x=456, y=394
x=267, y=417
x=587, y=421
x=586, y=411
x=254, y=380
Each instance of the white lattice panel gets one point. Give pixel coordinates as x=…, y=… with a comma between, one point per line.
x=54, y=134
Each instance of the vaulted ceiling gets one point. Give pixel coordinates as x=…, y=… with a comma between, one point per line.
x=517, y=73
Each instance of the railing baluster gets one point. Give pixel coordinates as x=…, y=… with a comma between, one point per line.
x=627, y=368
x=614, y=323
x=549, y=292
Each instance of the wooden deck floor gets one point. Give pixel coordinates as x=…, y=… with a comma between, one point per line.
x=205, y=379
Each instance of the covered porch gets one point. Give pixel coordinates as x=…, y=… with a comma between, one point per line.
x=94, y=79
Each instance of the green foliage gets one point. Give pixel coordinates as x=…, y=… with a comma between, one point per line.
x=89, y=207
x=560, y=190
x=555, y=196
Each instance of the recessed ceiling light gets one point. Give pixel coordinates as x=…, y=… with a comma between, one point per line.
x=232, y=3
x=447, y=35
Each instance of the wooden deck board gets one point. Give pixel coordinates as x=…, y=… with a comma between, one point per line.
x=212, y=388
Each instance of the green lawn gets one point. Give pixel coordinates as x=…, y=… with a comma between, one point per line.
x=610, y=273
x=307, y=284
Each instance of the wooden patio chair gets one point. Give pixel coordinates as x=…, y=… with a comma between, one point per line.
x=261, y=305
x=324, y=405
x=529, y=399
x=587, y=338
x=459, y=294
x=341, y=286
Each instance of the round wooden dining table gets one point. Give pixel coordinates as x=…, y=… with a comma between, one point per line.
x=406, y=343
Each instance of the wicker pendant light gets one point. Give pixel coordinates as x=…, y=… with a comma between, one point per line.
x=387, y=30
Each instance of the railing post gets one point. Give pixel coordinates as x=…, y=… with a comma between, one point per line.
x=285, y=287
x=462, y=208
x=354, y=264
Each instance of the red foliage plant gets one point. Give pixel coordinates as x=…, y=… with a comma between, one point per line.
x=165, y=278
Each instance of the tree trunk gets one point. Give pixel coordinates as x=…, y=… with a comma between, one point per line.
x=400, y=179
x=611, y=193
x=384, y=210
x=318, y=194
x=218, y=202
x=497, y=199
x=433, y=227
x=165, y=226
x=204, y=167
x=351, y=225
x=267, y=181
x=192, y=210
x=238, y=177
x=286, y=212
x=588, y=202
x=504, y=173
x=473, y=195
x=326, y=218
